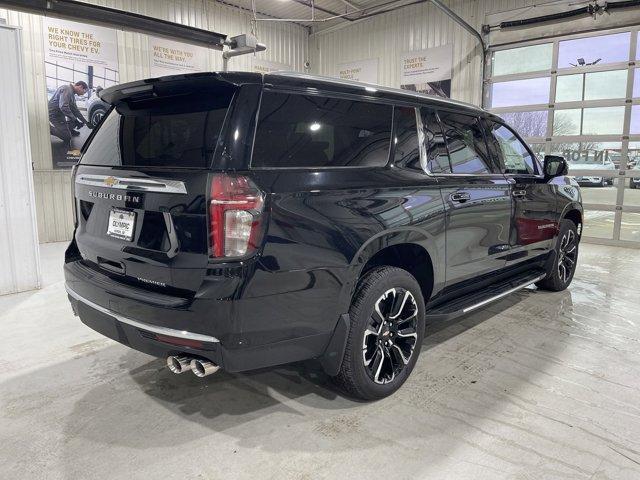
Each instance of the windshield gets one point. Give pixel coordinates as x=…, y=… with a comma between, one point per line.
x=168, y=132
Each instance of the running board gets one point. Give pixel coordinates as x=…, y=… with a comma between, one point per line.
x=474, y=300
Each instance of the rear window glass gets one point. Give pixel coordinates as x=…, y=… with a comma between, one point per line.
x=312, y=131
x=168, y=132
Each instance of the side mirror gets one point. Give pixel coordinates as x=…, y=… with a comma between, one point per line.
x=555, y=166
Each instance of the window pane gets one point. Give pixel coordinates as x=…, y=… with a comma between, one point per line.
x=520, y=92
x=636, y=81
x=567, y=122
x=635, y=119
x=598, y=224
x=311, y=131
x=523, y=59
x=595, y=161
x=437, y=154
x=407, y=154
x=597, y=86
x=565, y=150
x=513, y=155
x=569, y=88
x=603, y=121
x=630, y=227
x=632, y=191
x=610, y=151
x=465, y=139
x=595, y=121
x=633, y=154
x=528, y=124
x=594, y=50
x=601, y=85
x=589, y=154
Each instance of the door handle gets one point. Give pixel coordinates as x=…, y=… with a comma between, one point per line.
x=519, y=193
x=460, y=197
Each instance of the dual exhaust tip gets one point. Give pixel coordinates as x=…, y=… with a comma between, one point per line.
x=200, y=368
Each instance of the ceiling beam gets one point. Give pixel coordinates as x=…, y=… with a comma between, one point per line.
x=355, y=6
x=111, y=17
x=309, y=5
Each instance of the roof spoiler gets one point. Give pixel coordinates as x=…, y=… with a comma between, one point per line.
x=174, y=85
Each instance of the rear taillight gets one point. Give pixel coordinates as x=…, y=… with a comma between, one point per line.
x=235, y=212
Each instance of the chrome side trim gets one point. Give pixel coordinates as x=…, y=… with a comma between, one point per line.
x=134, y=184
x=170, y=332
x=503, y=294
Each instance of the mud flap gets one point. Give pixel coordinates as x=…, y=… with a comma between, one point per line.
x=331, y=360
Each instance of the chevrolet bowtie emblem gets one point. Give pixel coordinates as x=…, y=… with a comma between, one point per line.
x=110, y=181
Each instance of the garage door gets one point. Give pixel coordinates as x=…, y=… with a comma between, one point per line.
x=579, y=96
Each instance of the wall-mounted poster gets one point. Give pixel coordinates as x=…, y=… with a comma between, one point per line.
x=167, y=57
x=265, y=66
x=427, y=71
x=80, y=60
x=360, y=70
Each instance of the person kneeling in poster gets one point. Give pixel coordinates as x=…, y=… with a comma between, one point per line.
x=64, y=116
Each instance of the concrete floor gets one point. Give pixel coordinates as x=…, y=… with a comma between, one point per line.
x=538, y=386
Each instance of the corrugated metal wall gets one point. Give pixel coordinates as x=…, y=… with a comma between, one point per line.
x=19, y=255
x=287, y=43
x=384, y=36
x=416, y=27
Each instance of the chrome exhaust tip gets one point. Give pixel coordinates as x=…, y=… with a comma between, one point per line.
x=202, y=368
x=178, y=364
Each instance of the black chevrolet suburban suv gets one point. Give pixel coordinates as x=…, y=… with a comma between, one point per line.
x=239, y=220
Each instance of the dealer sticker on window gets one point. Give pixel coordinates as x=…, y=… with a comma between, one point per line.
x=121, y=224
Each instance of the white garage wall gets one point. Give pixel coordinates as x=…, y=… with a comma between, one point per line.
x=19, y=257
x=416, y=27
x=287, y=43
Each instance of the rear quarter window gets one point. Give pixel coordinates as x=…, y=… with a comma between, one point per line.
x=312, y=131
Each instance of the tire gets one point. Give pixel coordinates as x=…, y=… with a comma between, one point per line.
x=387, y=327
x=632, y=185
x=96, y=116
x=566, y=258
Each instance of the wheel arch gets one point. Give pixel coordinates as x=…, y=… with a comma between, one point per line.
x=394, y=247
x=408, y=248
x=575, y=213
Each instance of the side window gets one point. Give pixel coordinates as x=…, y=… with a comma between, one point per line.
x=310, y=131
x=513, y=155
x=465, y=140
x=406, y=154
x=437, y=155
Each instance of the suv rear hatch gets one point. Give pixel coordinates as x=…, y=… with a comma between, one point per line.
x=142, y=186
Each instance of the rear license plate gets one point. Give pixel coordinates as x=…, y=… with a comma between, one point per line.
x=121, y=224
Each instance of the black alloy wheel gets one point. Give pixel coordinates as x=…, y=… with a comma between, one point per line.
x=387, y=317
x=390, y=338
x=567, y=255
x=561, y=270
